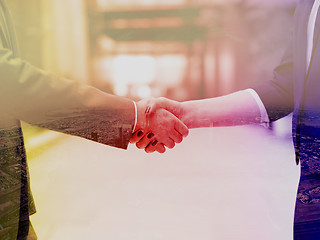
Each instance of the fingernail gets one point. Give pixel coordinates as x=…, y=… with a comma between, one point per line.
x=139, y=133
x=148, y=109
x=150, y=135
x=155, y=142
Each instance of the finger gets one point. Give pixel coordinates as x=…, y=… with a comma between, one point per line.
x=161, y=148
x=152, y=108
x=155, y=104
x=176, y=136
x=181, y=128
x=137, y=136
x=152, y=146
x=169, y=143
x=143, y=143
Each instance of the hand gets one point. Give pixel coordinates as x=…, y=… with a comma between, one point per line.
x=153, y=104
x=157, y=127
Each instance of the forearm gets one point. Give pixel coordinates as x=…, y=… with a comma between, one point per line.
x=40, y=98
x=239, y=108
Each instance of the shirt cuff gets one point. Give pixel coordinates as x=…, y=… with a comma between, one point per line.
x=264, y=118
x=136, y=115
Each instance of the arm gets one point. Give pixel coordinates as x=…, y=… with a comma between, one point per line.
x=277, y=94
x=241, y=107
x=238, y=108
x=235, y=109
x=37, y=97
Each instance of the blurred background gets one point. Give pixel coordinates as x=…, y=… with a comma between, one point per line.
x=227, y=183
x=182, y=49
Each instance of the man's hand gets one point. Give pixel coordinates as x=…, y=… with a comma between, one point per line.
x=153, y=104
x=157, y=127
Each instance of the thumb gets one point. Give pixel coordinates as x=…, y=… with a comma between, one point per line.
x=165, y=103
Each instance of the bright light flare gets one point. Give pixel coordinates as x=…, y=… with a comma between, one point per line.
x=134, y=69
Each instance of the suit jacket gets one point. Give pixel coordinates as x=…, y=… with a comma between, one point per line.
x=37, y=97
x=296, y=88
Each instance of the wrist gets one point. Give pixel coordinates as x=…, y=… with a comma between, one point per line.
x=141, y=116
x=186, y=114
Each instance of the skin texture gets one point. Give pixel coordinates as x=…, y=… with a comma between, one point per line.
x=238, y=108
x=158, y=129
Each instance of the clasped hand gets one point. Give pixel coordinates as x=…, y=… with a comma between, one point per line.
x=158, y=125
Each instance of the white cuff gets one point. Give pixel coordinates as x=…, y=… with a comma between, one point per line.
x=136, y=115
x=264, y=118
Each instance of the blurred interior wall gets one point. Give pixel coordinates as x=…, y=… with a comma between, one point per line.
x=27, y=16
x=52, y=34
x=245, y=42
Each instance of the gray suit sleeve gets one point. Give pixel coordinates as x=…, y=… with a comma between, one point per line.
x=40, y=98
x=277, y=94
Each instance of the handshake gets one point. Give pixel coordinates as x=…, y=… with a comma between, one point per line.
x=159, y=125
